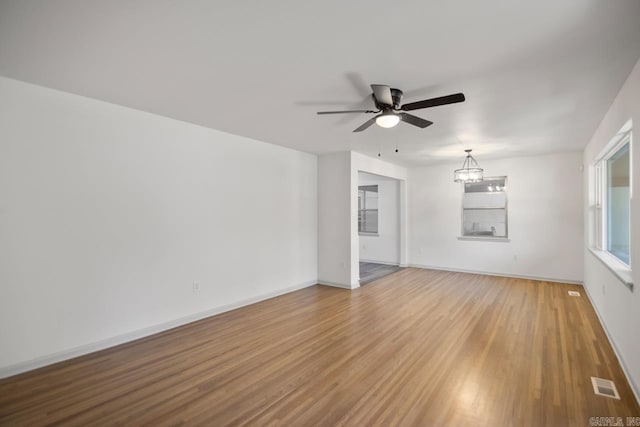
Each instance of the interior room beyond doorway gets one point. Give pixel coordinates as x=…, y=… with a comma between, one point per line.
x=378, y=226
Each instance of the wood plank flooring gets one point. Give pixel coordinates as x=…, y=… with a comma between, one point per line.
x=419, y=347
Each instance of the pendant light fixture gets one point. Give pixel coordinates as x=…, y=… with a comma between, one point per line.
x=470, y=171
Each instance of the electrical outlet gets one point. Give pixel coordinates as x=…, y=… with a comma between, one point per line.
x=196, y=287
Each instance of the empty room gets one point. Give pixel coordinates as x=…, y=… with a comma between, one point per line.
x=417, y=213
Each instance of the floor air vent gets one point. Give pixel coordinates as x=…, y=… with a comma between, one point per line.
x=574, y=293
x=605, y=388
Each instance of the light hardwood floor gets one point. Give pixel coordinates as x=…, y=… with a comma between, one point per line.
x=419, y=347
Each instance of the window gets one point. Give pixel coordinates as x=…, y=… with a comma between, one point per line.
x=368, y=209
x=612, y=198
x=484, y=208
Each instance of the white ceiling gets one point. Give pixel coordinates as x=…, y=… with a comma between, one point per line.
x=538, y=75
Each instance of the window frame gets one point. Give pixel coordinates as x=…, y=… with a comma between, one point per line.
x=504, y=238
x=364, y=208
x=601, y=195
x=598, y=190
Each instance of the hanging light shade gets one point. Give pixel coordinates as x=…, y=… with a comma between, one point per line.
x=470, y=171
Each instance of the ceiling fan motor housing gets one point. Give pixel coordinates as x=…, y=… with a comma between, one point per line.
x=396, y=96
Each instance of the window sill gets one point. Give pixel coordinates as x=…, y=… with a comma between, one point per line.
x=620, y=270
x=368, y=234
x=485, y=239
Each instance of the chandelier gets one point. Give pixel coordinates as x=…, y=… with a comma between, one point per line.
x=470, y=171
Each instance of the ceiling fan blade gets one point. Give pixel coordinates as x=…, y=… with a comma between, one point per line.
x=382, y=94
x=366, y=124
x=415, y=120
x=346, y=112
x=434, y=102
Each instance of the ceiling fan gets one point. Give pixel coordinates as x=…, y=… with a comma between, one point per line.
x=390, y=112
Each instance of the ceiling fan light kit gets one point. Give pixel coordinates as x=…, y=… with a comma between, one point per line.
x=388, y=100
x=470, y=171
x=387, y=119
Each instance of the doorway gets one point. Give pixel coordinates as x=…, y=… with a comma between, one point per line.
x=378, y=226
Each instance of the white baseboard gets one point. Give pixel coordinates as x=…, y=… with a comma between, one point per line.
x=490, y=273
x=49, y=359
x=634, y=387
x=379, y=262
x=335, y=284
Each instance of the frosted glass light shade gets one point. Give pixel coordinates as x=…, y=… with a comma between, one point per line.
x=387, y=120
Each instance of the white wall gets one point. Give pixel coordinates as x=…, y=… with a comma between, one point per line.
x=108, y=215
x=334, y=226
x=617, y=305
x=544, y=217
x=385, y=247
